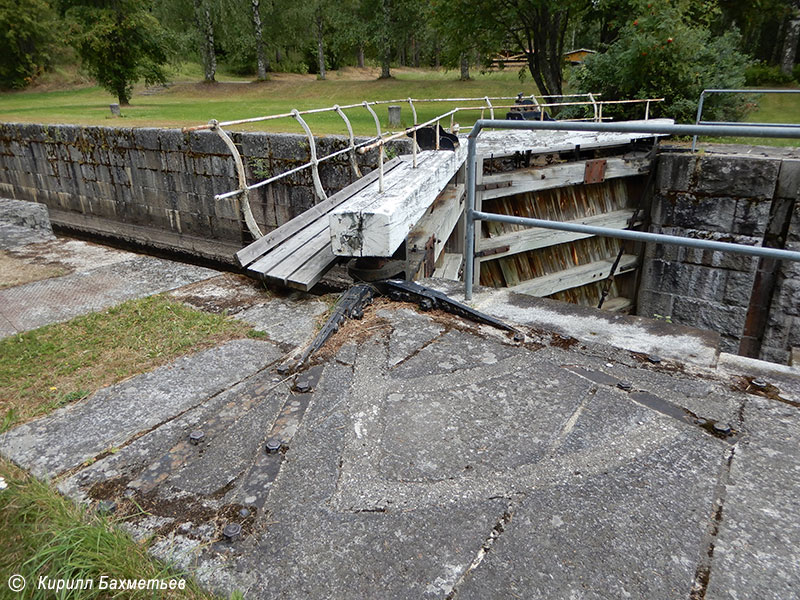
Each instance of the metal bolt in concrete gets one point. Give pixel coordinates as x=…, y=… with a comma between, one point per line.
x=196, y=436
x=232, y=531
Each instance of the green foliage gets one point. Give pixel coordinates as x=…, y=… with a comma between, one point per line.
x=664, y=51
x=27, y=30
x=761, y=74
x=119, y=42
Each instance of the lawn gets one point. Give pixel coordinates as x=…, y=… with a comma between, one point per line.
x=186, y=103
x=49, y=367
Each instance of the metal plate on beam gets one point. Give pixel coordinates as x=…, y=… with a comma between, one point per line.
x=595, y=171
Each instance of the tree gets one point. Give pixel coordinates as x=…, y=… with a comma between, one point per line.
x=118, y=41
x=26, y=33
x=535, y=27
x=205, y=27
x=664, y=51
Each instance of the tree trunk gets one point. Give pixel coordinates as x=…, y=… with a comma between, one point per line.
x=278, y=55
x=206, y=26
x=789, y=51
x=320, y=46
x=386, y=51
x=415, y=51
x=260, y=54
x=464, y=60
x=360, y=57
x=122, y=96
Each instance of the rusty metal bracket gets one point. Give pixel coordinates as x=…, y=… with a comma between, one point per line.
x=595, y=171
x=429, y=264
x=492, y=251
x=482, y=187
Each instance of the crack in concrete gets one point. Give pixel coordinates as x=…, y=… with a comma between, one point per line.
x=494, y=534
x=702, y=575
x=101, y=455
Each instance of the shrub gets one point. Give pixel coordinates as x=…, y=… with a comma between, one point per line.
x=761, y=74
x=664, y=53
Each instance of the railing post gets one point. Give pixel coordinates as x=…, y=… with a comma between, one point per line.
x=647, y=111
x=699, y=115
x=491, y=108
x=414, y=149
x=469, y=241
x=353, y=163
x=380, y=147
x=312, y=144
x=249, y=220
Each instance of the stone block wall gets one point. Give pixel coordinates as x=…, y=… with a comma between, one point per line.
x=157, y=186
x=727, y=198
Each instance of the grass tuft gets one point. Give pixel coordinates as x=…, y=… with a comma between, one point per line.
x=46, y=368
x=45, y=534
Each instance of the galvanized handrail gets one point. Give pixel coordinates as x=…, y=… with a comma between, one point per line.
x=379, y=141
x=640, y=236
x=700, y=103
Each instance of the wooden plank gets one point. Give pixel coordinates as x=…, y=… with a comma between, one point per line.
x=555, y=176
x=534, y=237
x=502, y=143
x=618, y=304
x=266, y=263
x=298, y=259
x=263, y=245
x=575, y=277
x=376, y=225
x=310, y=273
x=451, y=265
x=438, y=222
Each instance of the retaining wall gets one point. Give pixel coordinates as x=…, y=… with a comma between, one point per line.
x=751, y=302
x=157, y=186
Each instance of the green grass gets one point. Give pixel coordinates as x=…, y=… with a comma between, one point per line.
x=49, y=367
x=45, y=534
x=772, y=108
x=196, y=103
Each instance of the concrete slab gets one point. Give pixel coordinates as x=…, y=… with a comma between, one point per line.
x=756, y=552
x=111, y=417
x=120, y=277
x=427, y=457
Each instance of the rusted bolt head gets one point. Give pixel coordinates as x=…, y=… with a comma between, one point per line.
x=303, y=386
x=625, y=385
x=519, y=336
x=196, y=436
x=654, y=358
x=232, y=531
x=273, y=445
x=722, y=428
x=759, y=383
x=284, y=369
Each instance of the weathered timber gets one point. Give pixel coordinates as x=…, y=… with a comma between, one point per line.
x=250, y=253
x=498, y=144
x=450, y=267
x=574, y=277
x=375, y=223
x=531, y=238
x=556, y=176
x=438, y=223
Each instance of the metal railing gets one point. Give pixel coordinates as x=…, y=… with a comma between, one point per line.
x=639, y=236
x=379, y=140
x=700, y=103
